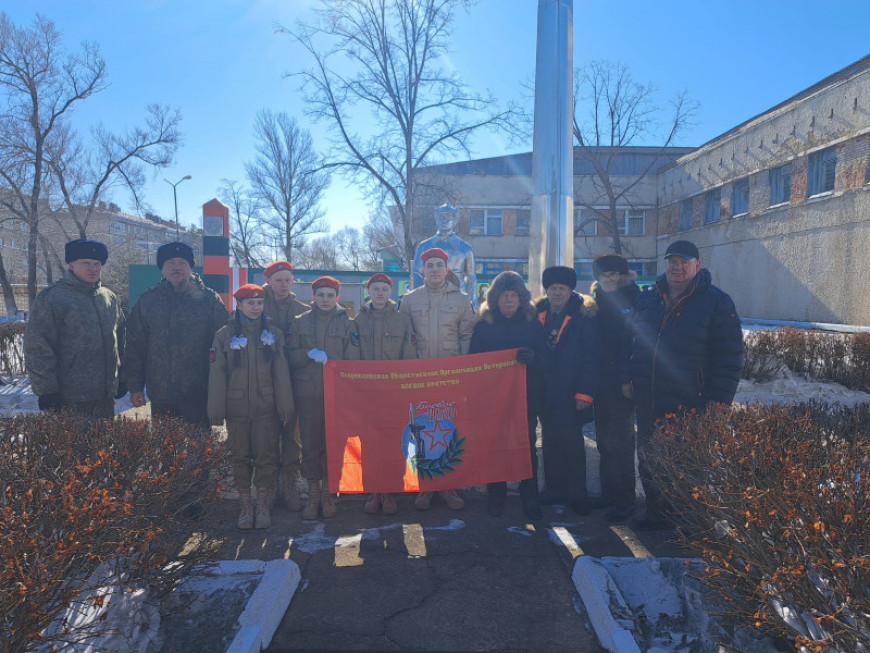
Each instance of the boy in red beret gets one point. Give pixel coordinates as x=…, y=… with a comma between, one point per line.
x=323, y=332
x=281, y=306
x=384, y=335
x=249, y=386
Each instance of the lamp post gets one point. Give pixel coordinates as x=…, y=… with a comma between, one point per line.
x=175, y=199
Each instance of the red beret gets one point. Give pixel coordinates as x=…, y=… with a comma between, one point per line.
x=435, y=251
x=249, y=291
x=277, y=266
x=379, y=276
x=325, y=282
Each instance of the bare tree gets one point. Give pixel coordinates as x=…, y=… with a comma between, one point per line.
x=384, y=235
x=84, y=175
x=247, y=241
x=392, y=50
x=40, y=84
x=288, y=177
x=612, y=111
x=354, y=251
x=317, y=254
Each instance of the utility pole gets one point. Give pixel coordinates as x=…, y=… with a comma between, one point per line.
x=175, y=199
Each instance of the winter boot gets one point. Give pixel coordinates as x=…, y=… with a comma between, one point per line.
x=423, y=501
x=327, y=502
x=453, y=500
x=264, y=505
x=373, y=502
x=310, y=511
x=290, y=490
x=389, y=503
x=246, y=512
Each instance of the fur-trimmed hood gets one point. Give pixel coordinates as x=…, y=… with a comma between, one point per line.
x=578, y=303
x=505, y=282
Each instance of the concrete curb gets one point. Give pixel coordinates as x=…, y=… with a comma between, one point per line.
x=267, y=605
x=598, y=592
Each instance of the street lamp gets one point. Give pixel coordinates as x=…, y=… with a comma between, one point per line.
x=175, y=199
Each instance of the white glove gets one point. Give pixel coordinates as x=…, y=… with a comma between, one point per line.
x=318, y=356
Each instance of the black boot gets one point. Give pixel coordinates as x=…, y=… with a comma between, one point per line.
x=497, y=494
x=529, y=499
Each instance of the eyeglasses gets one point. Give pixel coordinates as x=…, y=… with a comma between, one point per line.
x=611, y=275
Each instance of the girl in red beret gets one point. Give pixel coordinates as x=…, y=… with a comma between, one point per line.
x=249, y=387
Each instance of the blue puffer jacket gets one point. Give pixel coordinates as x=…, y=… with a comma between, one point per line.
x=686, y=354
x=574, y=367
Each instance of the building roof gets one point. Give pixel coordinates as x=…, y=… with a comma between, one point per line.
x=629, y=161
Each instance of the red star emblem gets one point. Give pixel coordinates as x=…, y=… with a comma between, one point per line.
x=438, y=435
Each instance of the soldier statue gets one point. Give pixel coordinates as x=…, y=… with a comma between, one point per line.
x=461, y=256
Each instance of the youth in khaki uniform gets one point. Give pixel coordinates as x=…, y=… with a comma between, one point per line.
x=281, y=306
x=325, y=331
x=249, y=386
x=443, y=319
x=384, y=335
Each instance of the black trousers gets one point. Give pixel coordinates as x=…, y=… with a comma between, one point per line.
x=656, y=503
x=614, y=434
x=564, y=461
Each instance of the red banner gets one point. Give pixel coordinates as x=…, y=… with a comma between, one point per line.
x=435, y=424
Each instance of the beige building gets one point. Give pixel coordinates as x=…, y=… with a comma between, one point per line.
x=779, y=206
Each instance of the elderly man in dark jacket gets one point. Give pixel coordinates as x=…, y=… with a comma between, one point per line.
x=569, y=322
x=686, y=351
x=614, y=290
x=74, y=336
x=169, y=335
x=507, y=321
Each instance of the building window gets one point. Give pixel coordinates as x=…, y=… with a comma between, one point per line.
x=485, y=222
x=492, y=267
x=822, y=171
x=867, y=173
x=583, y=268
x=780, y=184
x=740, y=197
x=686, y=214
x=638, y=266
x=585, y=222
x=1, y=242
x=633, y=223
x=713, y=205
x=524, y=220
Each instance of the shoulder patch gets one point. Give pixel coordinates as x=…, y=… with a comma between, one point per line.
x=354, y=339
x=212, y=355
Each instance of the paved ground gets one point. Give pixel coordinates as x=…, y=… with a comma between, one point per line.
x=438, y=580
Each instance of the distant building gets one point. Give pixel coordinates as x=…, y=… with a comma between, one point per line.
x=779, y=206
x=130, y=239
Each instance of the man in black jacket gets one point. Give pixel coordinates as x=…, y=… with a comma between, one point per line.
x=686, y=351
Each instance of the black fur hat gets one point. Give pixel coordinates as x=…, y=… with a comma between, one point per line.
x=175, y=250
x=609, y=263
x=507, y=280
x=84, y=248
x=560, y=274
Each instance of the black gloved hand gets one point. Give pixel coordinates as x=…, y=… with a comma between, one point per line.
x=525, y=356
x=122, y=390
x=49, y=402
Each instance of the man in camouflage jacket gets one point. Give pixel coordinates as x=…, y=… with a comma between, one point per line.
x=74, y=336
x=170, y=332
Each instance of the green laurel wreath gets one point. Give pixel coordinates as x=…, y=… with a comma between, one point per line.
x=445, y=463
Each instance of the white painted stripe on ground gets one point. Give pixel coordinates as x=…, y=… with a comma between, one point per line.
x=568, y=540
x=415, y=540
x=629, y=538
x=347, y=550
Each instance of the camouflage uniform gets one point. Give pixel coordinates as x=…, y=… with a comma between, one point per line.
x=169, y=334
x=384, y=335
x=335, y=333
x=254, y=396
x=282, y=312
x=72, y=345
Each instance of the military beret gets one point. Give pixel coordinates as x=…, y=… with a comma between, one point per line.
x=277, y=266
x=435, y=251
x=379, y=276
x=326, y=282
x=175, y=250
x=249, y=291
x=84, y=248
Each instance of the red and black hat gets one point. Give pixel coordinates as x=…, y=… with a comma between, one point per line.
x=249, y=291
x=379, y=277
x=277, y=266
x=434, y=252
x=325, y=282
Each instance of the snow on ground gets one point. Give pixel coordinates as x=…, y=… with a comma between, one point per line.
x=16, y=397
x=793, y=389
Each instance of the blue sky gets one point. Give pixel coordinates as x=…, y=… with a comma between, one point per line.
x=221, y=61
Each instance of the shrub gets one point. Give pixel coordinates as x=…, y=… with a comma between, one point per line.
x=82, y=495
x=12, y=347
x=840, y=357
x=776, y=498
